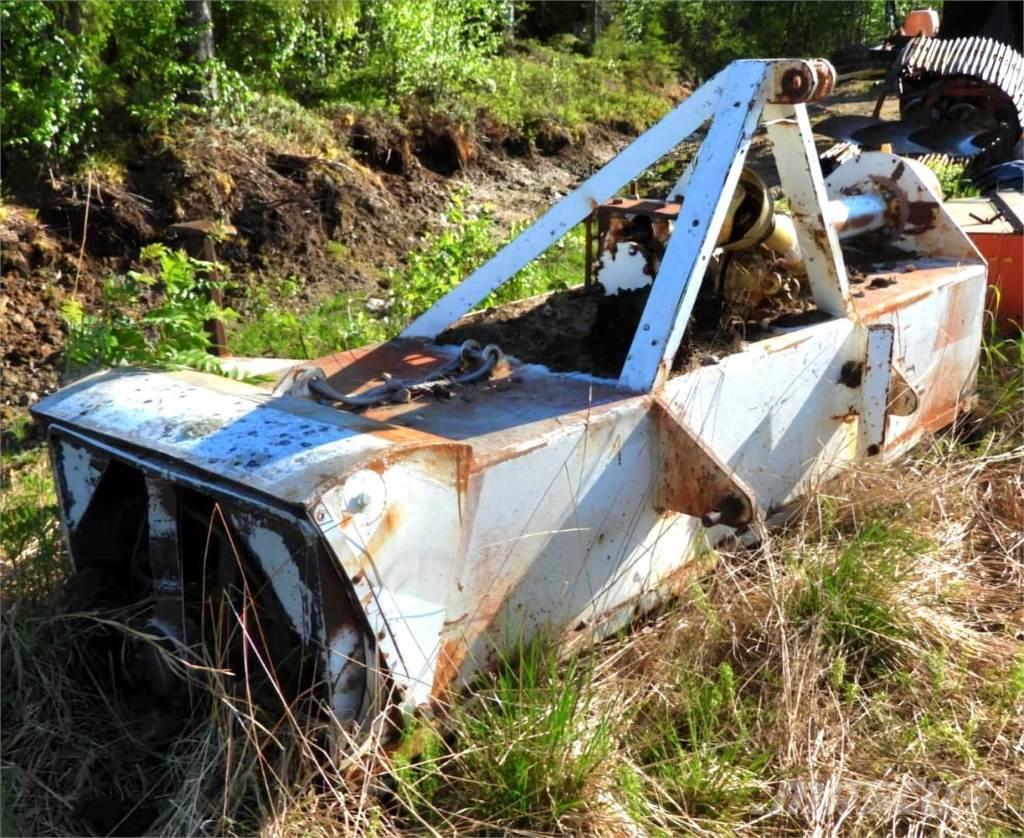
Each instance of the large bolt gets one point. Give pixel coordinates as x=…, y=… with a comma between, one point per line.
x=710, y=519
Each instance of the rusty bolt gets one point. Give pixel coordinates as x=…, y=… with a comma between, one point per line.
x=852, y=374
x=731, y=512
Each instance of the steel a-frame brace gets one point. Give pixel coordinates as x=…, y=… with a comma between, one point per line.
x=735, y=101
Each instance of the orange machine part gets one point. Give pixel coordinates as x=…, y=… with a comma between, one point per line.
x=1004, y=253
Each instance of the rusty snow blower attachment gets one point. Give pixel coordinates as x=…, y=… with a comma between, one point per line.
x=381, y=521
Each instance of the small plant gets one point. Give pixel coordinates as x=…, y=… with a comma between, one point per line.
x=31, y=546
x=152, y=317
x=697, y=752
x=954, y=181
x=523, y=753
x=1001, y=371
x=852, y=595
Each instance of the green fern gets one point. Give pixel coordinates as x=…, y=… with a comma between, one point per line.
x=154, y=317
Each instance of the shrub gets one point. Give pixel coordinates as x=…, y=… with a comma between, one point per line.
x=155, y=317
x=445, y=259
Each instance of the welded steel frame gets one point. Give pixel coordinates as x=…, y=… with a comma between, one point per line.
x=734, y=103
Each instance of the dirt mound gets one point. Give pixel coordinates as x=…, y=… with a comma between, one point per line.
x=39, y=273
x=332, y=221
x=428, y=141
x=115, y=219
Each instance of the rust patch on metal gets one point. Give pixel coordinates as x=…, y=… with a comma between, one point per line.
x=694, y=481
x=386, y=529
x=449, y=660
x=796, y=85
x=355, y=369
x=921, y=216
x=825, y=76
x=912, y=286
x=903, y=399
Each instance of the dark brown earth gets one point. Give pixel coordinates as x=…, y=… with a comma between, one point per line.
x=336, y=222
x=583, y=330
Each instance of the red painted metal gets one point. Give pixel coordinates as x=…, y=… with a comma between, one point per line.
x=1004, y=253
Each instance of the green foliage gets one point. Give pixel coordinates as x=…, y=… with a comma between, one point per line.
x=153, y=317
x=525, y=750
x=709, y=34
x=301, y=48
x=445, y=259
x=31, y=546
x=852, y=595
x=64, y=81
x=47, y=104
x=73, y=69
x=1013, y=688
x=698, y=752
x=538, y=85
x=431, y=46
x=953, y=180
x=1001, y=370
x=417, y=763
x=126, y=60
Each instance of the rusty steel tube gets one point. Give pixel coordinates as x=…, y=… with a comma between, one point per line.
x=857, y=214
x=852, y=216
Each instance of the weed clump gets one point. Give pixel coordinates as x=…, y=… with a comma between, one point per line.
x=167, y=329
x=465, y=241
x=851, y=594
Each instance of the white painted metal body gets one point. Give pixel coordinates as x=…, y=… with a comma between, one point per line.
x=427, y=534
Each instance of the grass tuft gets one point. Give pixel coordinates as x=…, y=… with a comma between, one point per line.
x=525, y=753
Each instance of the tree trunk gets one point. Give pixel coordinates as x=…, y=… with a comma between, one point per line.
x=73, y=22
x=199, y=47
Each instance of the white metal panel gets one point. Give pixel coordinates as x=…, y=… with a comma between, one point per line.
x=937, y=342
x=232, y=430
x=930, y=230
x=396, y=538
x=80, y=475
x=272, y=553
x=875, y=389
x=716, y=173
x=777, y=412
x=800, y=173
x=570, y=533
